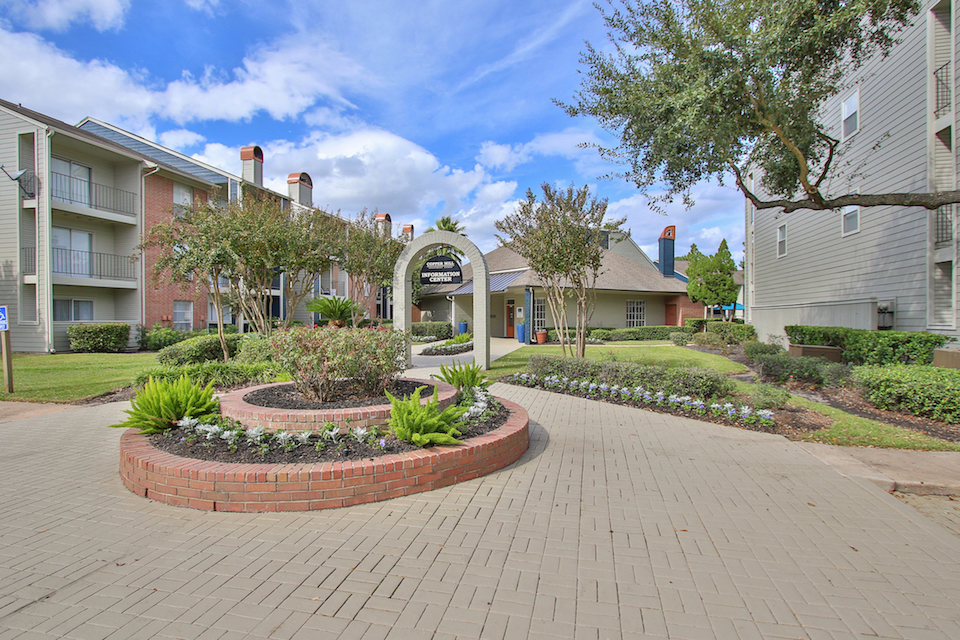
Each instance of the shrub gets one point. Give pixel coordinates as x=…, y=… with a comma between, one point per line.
x=694, y=381
x=161, y=404
x=731, y=332
x=461, y=338
x=441, y=330
x=600, y=334
x=553, y=335
x=697, y=324
x=202, y=348
x=931, y=392
x=754, y=348
x=219, y=374
x=423, y=424
x=317, y=357
x=768, y=396
x=657, y=332
x=708, y=340
x=680, y=339
x=338, y=310
x=783, y=368
x=254, y=347
x=462, y=377
x=159, y=337
x=860, y=346
x=99, y=338
x=447, y=349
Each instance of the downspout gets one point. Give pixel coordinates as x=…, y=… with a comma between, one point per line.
x=143, y=261
x=48, y=223
x=453, y=308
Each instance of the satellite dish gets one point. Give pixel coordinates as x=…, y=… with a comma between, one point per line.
x=15, y=176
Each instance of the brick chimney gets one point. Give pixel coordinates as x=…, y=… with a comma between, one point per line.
x=252, y=160
x=667, y=239
x=407, y=232
x=300, y=188
x=384, y=224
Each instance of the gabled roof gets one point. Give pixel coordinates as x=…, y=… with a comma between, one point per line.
x=508, y=269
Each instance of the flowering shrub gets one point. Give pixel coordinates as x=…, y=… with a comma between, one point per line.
x=317, y=357
x=643, y=397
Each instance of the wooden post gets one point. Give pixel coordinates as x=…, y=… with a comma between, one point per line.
x=7, y=357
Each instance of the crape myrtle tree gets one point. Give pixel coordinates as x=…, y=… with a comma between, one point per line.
x=246, y=243
x=696, y=89
x=561, y=238
x=711, y=277
x=368, y=251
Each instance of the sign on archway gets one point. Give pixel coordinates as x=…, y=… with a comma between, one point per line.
x=403, y=288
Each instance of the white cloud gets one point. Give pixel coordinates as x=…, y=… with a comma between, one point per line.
x=180, y=139
x=282, y=79
x=57, y=15
x=206, y=6
x=565, y=144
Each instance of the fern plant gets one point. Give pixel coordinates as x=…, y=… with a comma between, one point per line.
x=462, y=377
x=161, y=404
x=424, y=424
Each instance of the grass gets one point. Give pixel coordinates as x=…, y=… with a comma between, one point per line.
x=68, y=377
x=854, y=431
x=671, y=356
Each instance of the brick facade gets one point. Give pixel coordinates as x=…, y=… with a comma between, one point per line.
x=685, y=308
x=159, y=294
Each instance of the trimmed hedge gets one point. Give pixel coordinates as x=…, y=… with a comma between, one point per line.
x=817, y=371
x=692, y=381
x=109, y=337
x=931, y=392
x=205, y=348
x=697, y=324
x=731, y=332
x=655, y=332
x=220, y=374
x=253, y=347
x=865, y=347
x=440, y=330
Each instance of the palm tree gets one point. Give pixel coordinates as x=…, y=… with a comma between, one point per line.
x=447, y=223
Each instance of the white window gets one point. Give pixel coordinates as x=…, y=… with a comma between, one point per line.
x=851, y=219
x=539, y=314
x=71, y=181
x=943, y=311
x=781, y=241
x=183, y=315
x=851, y=114
x=636, y=313
x=71, y=251
x=212, y=314
x=182, y=194
x=72, y=310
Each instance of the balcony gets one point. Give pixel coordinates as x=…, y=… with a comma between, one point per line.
x=943, y=225
x=28, y=261
x=90, y=264
x=944, y=99
x=78, y=191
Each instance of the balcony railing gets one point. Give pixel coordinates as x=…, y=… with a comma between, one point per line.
x=944, y=98
x=90, y=264
x=90, y=194
x=943, y=226
x=28, y=184
x=28, y=261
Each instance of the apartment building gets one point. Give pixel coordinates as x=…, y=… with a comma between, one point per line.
x=875, y=267
x=73, y=207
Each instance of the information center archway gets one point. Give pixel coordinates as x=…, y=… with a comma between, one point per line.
x=403, y=288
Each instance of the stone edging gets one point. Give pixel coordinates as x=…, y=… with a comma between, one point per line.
x=217, y=486
x=232, y=405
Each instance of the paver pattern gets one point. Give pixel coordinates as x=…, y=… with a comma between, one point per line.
x=617, y=523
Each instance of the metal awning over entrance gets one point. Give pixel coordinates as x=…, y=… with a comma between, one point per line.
x=498, y=282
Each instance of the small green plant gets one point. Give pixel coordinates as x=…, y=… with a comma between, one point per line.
x=161, y=404
x=708, y=340
x=424, y=424
x=336, y=309
x=680, y=338
x=768, y=396
x=462, y=377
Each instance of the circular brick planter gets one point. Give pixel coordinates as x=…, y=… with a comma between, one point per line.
x=232, y=405
x=217, y=486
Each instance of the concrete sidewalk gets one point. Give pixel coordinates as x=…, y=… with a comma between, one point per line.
x=617, y=523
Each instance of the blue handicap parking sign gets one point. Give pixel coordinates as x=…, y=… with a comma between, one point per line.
x=3, y=319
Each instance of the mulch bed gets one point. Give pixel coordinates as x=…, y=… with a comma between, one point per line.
x=345, y=396
x=180, y=443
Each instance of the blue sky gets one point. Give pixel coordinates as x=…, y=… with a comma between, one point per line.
x=418, y=109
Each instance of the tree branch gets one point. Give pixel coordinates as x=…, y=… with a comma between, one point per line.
x=926, y=200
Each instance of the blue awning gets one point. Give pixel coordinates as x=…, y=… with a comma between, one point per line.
x=729, y=307
x=498, y=282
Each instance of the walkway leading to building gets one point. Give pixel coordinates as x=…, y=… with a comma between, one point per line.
x=617, y=523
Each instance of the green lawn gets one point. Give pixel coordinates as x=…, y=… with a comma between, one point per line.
x=68, y=377
x=671, y=356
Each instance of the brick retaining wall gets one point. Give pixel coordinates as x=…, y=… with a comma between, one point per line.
x=217, y=486
x=232, y=405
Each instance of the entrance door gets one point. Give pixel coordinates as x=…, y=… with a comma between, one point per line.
x=510, y=311
x=671, y=319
